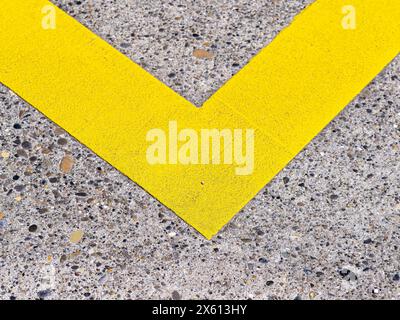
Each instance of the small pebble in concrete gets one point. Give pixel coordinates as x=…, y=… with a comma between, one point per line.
x=176, y=295
x=67, y=164
x=26, y=145
x=5, y=154
x=203, y=54
x=76, y=236
x=33, y=228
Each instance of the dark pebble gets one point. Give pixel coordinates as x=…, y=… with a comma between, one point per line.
x=62, y=141
x=344, y=272
x=19, y=188
x=33, y=228
x=285, y=180
x=176, y=295
x=26, y=145
x=81, y=194
x=44, y=294
x=348, y=275
x=263, y=260
x=22, y=153
x=308, y=271
x=368, y=241
x=53, y=180
x=259, y=232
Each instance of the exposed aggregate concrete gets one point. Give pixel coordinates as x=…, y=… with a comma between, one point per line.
x=327, y=227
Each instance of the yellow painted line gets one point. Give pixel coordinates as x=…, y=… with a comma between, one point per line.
x=287, y=93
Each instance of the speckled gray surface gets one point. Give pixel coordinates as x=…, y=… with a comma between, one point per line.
x=327, y=227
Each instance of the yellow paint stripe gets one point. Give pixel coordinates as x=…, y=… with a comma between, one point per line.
x=289, y=92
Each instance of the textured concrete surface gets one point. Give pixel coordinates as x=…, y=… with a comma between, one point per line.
x=326, y=228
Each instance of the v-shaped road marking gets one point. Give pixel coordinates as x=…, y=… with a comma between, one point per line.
x=288, y=93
